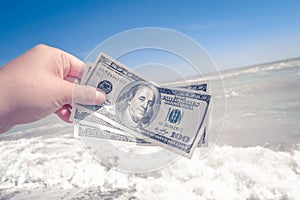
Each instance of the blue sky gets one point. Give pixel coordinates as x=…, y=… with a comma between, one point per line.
x=234, y=33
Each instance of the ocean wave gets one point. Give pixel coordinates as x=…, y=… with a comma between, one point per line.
x=244, y=91
x=255, y=69
x=217, y=76
x=277, y=66
x=60, y=168
x=252, y=70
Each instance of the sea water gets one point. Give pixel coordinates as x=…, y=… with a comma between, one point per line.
x=263, y=105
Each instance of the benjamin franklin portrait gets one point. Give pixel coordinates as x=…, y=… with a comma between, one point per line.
x=138, y=104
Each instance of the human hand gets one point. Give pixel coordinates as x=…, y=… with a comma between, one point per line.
x=41, y=82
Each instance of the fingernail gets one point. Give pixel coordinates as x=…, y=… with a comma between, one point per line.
x=76, y=80
x=100, y=97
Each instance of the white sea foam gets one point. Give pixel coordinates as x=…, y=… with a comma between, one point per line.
x=243, y=91
x=217, y=76
x=277, y=66
x=254, y=69
x=58, y=166
x=250, y=114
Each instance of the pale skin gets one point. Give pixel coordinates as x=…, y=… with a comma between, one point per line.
x=41, y=82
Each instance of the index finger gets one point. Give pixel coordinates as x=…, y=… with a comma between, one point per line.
x=73, y=66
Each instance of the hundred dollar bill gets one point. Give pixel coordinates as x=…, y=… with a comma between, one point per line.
x=168, y=117
x=195, y=85
x=85, y=116
x=86, y=73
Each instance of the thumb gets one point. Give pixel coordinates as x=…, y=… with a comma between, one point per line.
x=83, y=94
